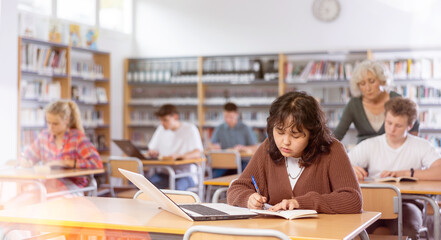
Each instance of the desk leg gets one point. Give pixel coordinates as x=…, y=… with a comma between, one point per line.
x=436, y=215
x=363, y=235
x=201, y=171
x=171, y=177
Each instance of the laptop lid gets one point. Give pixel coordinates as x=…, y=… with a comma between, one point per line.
x=230, y=212
x=131, y=150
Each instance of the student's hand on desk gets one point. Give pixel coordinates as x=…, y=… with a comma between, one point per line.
x=394, y=173
x=285, y=204
x=256, y=201
x=360, y=173
x=176, y=157
x=240, y=148
x=215, y=146
x=24, y=163
x=153, y=153
x=62, y=164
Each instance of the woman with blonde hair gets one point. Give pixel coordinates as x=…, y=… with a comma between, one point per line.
x=63, y=143
x=365, y=109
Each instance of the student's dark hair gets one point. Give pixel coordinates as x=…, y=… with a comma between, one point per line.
x=230, y=107
x=166, y=109
x=400, y=106
x=305, y=113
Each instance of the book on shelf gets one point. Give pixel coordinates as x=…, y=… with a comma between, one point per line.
x=101, y=95
x=55, y=30
x=91, y=38
x=396, y=179
x=288, y=214
x=74, y=35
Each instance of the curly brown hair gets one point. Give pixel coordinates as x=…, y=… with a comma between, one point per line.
x=305, y=113
x=400, y=106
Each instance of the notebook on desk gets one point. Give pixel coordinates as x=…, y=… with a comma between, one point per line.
x=192, y=212
x=131, y=150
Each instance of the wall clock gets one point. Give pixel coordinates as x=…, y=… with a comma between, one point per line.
x=326, y=10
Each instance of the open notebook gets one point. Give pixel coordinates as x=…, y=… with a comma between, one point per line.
x=192, y=212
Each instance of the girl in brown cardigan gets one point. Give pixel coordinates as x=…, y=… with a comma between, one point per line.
x=300, y=165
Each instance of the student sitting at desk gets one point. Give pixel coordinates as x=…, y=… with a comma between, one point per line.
x=395, y=154
x=300, y=165
x=175, y=140
x=232, y=134
x=62, y=144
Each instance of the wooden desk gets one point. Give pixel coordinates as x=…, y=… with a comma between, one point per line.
x=28, y=175
x=168, y=166
x=131, y=217
x=418, y=190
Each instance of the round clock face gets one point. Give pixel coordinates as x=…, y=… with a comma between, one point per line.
x=326, y=10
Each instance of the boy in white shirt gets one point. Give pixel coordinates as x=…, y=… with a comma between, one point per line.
x=175, y=140
x=397, y=154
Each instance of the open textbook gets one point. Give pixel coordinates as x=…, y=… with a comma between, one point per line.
x=396, y=179
x=288, y=214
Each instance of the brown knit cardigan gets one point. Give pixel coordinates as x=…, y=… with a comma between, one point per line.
x=327, y=186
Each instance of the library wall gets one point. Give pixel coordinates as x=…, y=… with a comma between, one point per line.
x=120, y=47
x=8, y=80
x=199, y=27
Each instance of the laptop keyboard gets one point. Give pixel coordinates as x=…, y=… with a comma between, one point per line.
x=203, y=210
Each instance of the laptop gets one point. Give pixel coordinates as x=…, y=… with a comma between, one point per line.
x=131, y=150
x=192, y=212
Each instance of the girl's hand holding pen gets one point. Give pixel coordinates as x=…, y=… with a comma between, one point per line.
x=256, y=201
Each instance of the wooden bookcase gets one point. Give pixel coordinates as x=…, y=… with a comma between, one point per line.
x=48, y=71
x=325, y=75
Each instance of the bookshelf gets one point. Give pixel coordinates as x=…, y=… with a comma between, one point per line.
x=49, y=71
x=254, y=81
x=199, y=87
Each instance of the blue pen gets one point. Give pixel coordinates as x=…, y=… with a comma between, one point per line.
x=255, y=185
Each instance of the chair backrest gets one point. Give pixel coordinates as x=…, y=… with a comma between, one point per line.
x=224, y=159
x=214, y=233
x=128, y=163
x=386, y=199
x=177, y=196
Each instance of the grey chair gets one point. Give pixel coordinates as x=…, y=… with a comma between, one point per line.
x=177, y=196
x=211, y=232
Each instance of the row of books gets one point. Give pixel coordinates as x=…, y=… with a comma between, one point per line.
x=329, y=95
x=175, y=66
x=87, y=70
x=92, y=118
x=241, y=92
x=424, y=68
x=146, y=92
x=434, y=139
x=318, y=70
x=40, y=90
x=42, y=59
x=430, y=118
x=420, y=93
x=258, y=65
x=88, y=94
x=32, y=117
x=98, y=140
x=161, y=77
